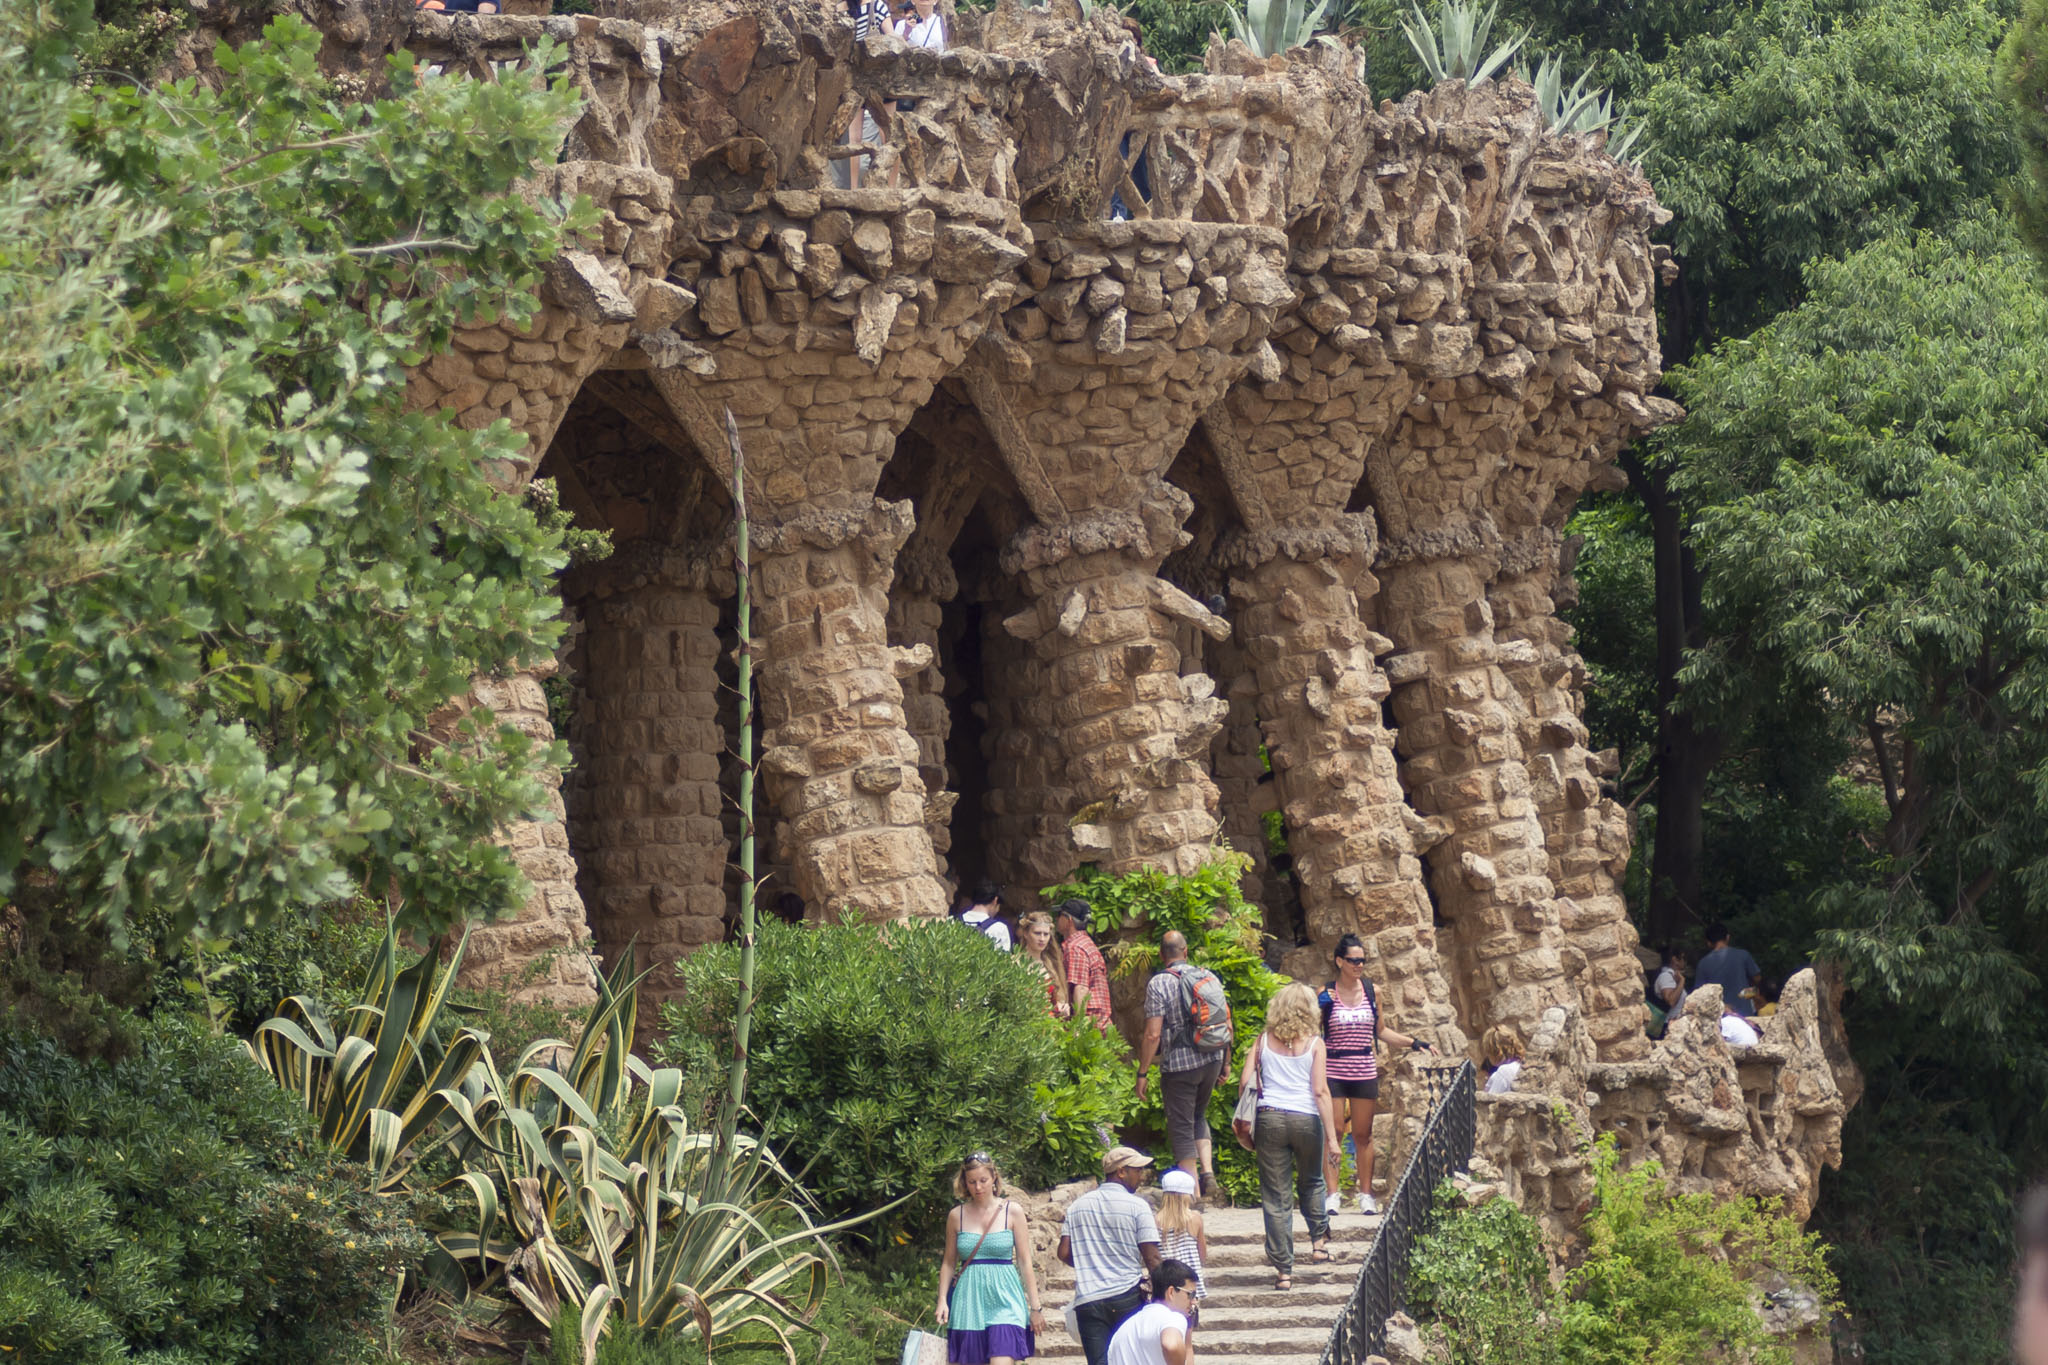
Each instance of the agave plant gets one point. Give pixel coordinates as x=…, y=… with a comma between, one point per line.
x=1270, y=27
x=386, y=1088
x=1580, y=109
x=1454, y=46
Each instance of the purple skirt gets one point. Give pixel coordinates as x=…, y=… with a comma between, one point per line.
x=984, y=1344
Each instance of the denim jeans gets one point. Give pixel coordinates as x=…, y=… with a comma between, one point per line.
x=1100, y=1319
x=1287, y=1140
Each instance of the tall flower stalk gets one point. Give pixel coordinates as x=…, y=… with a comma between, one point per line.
x=742, y=567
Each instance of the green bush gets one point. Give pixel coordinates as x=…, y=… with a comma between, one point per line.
x=1667, y=1279
x=1090, y=1098
x=176, y=1207
x=880, y=1054
x=1477, y=1279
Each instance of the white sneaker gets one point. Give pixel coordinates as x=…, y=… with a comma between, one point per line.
x=1366, y=1205
x=1333, y=1205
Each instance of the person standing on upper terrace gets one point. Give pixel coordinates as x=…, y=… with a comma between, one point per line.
x=924, y=26
x=1087, y=974
x=1732, y=969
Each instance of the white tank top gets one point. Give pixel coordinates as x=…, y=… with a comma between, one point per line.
x=1287, y=1083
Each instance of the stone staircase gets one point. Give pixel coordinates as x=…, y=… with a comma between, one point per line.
x=1244, y=1316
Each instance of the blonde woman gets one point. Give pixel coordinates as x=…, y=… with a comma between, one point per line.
x=1295, y=1132
x=1042, y=950
x=1182, y=1237
x=988, y=1289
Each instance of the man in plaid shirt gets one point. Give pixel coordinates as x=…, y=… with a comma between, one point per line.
x=1087, y=974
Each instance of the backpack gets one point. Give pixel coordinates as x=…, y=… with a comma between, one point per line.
x=1205, y=1008
x=1326, y=1001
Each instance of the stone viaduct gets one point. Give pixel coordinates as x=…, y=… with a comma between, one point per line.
x=1116, y=431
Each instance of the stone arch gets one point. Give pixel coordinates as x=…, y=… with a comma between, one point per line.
x=646, y=682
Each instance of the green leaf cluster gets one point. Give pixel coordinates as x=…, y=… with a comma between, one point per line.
x=175, y=1206
x=1665, y=1278
x=880, y=1055
x=236, y=574
x=1225, y=933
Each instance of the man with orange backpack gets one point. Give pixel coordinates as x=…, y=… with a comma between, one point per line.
x=1188, y=1028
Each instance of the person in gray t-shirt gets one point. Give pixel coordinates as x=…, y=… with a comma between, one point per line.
x=1732, y=969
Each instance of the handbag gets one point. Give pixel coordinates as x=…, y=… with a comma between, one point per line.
x=1244, y=1119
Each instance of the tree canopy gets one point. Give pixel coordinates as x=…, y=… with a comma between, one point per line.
x=237, y=577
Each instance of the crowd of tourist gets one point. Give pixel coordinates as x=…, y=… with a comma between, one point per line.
x=1311, y=1078
x=1746, y=993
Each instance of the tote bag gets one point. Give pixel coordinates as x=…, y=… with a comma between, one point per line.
x=1244, y=1120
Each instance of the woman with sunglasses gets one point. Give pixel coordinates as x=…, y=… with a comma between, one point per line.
x=1352, y=1028
x=988, y=1288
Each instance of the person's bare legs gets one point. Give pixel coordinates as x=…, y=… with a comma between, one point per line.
x=1362, y=1112
x=1333, y=1166
x=853, y=138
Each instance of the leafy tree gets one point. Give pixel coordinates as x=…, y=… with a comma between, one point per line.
x=236, y=575
x=1781, y=134
x=1873, y=473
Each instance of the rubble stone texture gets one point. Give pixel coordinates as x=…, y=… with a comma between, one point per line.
x=1087, y=349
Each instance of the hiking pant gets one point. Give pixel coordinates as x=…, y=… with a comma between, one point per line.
x=1290, y=1145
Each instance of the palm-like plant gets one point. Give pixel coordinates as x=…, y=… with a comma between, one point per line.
x=1454, y=46
x=1270, y=27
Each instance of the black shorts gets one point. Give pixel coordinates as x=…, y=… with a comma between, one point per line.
x=1354, y=1090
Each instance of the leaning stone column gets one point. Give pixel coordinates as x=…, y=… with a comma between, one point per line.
x=1354, y=838
x=1132, y=732
x=1460, y=734
x=1587, y=834
x=550, y=930
x=837, y=759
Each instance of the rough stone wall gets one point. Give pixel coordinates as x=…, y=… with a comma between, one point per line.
x=1722, y=1120
x=1405, y=337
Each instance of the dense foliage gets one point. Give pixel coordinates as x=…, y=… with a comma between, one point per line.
x=236, y=576
x=1665, y=1278
x=880, y=1056
x=1225, y=934
x=176, y=1206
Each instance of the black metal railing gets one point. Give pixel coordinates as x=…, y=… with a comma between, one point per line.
x=1444, y=1149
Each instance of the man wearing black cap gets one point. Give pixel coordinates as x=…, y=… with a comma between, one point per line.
x=1087, y=974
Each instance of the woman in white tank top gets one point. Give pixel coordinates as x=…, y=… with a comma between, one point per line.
x=1295, y=1131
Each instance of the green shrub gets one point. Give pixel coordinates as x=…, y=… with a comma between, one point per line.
x=1477, y=1278
x=1667, y=1279
x=1093, y=1094
x=880, y=1054
x=175, y=1206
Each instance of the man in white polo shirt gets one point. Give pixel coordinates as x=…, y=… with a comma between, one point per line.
x=1112, y=1242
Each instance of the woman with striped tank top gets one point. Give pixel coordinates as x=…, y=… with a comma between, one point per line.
x=1352, y=1028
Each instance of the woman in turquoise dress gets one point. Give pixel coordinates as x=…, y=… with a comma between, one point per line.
x=988, y=1292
